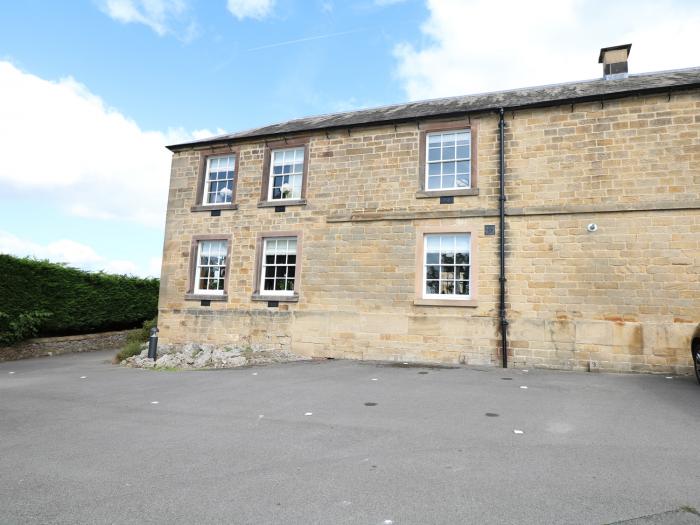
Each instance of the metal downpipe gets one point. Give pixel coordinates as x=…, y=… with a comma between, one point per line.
x=502, y=239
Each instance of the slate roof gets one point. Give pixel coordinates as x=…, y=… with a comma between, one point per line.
x=539, y=96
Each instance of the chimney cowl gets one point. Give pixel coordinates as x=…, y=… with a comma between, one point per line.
x=614, y=60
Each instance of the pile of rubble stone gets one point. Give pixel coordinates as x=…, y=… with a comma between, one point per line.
x=194, y=356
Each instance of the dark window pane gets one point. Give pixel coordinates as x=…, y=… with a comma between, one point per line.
x=431, y=287
x=447, y=258
x=447, y=272
x=462, y=272
x=287, y=168
x=291, y=259
x=281, y=271
x=280, y=259
x=432, y=272
x=202, y=284
x=276, y=193
x=221, y=284
x=290, y=284
x=269, y=271
x=269, y=284
x=277, y=170
x=463, y=287
x=269, y=259
x=279, y=284
x=291, y=270
x=447, y=287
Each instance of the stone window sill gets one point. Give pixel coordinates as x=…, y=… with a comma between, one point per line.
x=205, y=297
x=422, y=194
x=274, y=204
x=465, y=303
x=213, y=207
x=279, y=298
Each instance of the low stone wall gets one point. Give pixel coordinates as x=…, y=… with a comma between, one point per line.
x=48, y=346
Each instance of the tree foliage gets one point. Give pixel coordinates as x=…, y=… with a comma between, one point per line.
x=43, y=298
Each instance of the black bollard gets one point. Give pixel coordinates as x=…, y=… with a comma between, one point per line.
x=153, y=343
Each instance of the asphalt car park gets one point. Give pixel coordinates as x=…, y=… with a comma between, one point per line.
x=84, y=441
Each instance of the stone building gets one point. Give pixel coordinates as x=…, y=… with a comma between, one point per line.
x=378, y=234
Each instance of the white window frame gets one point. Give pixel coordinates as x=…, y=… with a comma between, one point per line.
x=300, y=175
x=264, y=266
x=198, y=266
x=424, y=268
x=207, y=179
x=441, y=161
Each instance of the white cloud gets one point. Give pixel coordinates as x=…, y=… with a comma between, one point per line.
x=162, y=16
x=154, y=266
x=483, y=45
x=64, y=144
x=257, y=9
x=73, y=254
x=121, y=267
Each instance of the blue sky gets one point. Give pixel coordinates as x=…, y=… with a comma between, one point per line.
x=91, y=90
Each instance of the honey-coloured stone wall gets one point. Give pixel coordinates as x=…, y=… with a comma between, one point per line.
x=625, y=297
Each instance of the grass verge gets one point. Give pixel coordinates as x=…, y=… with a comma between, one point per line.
x=135, y=340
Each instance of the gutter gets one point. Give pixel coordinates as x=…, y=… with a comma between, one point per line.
x=502, y=314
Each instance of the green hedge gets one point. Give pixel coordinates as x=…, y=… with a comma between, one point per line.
x=71, y=301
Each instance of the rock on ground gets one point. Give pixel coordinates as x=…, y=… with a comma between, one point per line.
x=196, y=356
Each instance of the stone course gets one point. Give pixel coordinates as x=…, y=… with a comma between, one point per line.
x=626, y=297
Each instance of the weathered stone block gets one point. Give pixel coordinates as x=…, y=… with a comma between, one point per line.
x=594, y=332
